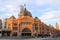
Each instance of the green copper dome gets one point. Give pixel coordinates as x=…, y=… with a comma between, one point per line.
x=25, y=12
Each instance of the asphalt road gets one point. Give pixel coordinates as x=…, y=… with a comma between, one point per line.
x=29, y=38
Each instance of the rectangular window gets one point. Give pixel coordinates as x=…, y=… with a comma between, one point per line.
x=25, y=22
x=47, y=29
x=36, y=28
x=15, y=28
x=42, y=28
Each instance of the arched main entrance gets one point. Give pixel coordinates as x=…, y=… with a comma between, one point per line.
x=26, y=32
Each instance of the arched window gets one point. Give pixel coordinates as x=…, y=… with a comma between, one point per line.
x=26, y=30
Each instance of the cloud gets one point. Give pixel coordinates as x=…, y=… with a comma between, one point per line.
x=10, y=7
x=49, y=2
x=49, y=12
x=2, y=9
x=51, y=16
x=36, y=2
x=3, y=16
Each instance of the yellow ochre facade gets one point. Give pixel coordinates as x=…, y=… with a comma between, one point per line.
x=26, y=25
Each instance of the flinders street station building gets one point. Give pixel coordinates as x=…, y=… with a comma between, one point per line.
x=26, y=25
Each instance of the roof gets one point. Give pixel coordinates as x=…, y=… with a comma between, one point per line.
x=12, y=17
x=25, y=12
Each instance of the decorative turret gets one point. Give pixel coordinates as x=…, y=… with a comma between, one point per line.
x=24, y=12
x=57, y=26
x=36, y=18
x=12, y=17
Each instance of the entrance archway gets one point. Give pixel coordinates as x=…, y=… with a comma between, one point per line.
x=26, y=32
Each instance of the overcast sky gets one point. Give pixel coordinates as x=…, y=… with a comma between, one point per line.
x=47, y=11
